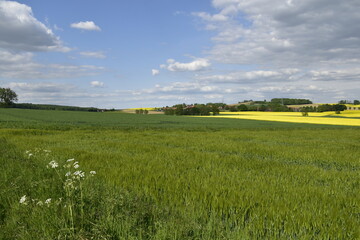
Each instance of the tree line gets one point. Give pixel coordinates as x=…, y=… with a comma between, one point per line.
x=194, y=109
x=324, y=108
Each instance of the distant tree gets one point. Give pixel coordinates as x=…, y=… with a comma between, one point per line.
x=343, y=102
x=339, y=107
x=328, y=107
x=291, y=101
x=7, y=96
x=232, y=109
x=179, y=109
x=262, y=108
x=146, y=111
x=215, y=109
x=356, y=102
x=304, y=111
x=169, y=111
x=242, y=107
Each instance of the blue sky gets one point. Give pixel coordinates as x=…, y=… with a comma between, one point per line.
x=120, y=54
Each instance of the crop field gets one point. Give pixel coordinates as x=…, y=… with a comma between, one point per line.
x=79, y=175
x=346, y=118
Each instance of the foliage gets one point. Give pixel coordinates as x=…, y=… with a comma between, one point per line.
x=242, y=107
x=55, y=107
x=7, y=96
x=193, y=109
x=331, y=107
x=309, y=109
x=290, y=101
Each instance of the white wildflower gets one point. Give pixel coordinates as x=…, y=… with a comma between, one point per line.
x=76, y=166
x=67, y=174
x=47, y=151
x=23, y=200
x=92, y=172
x=53, y=164
x=82, y=174
x=48, y=201
x=30, y=154
x=39, y=203
x=70, y=160
x=79, y=174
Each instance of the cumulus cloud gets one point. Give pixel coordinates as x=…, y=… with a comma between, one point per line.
x=252, y=76
x=44, y=87
x=196, y=65
x=87, y=25
x=22, y=66
x=97, y=84
x=98, y=54
x=212, y=18
x=155, y=72
x=287, y=33
x=21, y=31
x=288, y=48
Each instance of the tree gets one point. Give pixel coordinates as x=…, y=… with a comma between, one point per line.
x=339, y=107
x=7, y=96
x=242, y=107
x=342, y=102
x=356, y=102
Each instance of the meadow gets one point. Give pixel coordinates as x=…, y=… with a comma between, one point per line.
x=170, y=177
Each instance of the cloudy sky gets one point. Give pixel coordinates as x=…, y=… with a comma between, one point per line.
x=141, y=53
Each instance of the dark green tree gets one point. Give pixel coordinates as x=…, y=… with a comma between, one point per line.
x=7, y=96
x=242, y=107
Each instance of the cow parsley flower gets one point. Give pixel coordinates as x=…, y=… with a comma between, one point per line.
x=48, y=201
x=92, y=172
x=53, y=164
x=23, y=200
x=79, y=174
x=70, y=160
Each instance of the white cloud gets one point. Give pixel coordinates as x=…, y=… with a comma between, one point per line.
x=213, y=18
x=155, y=72
x=99, y=54
x=21, y=31
x=252, y=76
x=88, y=25
x=196, y=65
x=285, y=33
x=96, y=84
x=22, y=66
x=44, y=87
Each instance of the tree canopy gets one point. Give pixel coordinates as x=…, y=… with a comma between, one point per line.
x=7, y=96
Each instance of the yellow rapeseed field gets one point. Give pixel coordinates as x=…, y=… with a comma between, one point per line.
x=348, y=118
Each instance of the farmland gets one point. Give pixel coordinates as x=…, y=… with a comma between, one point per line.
x=347, y=118
x=169, y=177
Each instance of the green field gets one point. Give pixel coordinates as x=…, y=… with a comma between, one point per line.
x=169, y=177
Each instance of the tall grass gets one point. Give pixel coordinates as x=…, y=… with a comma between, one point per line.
x=182, y=183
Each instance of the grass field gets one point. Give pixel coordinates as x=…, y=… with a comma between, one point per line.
x=168, y=177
